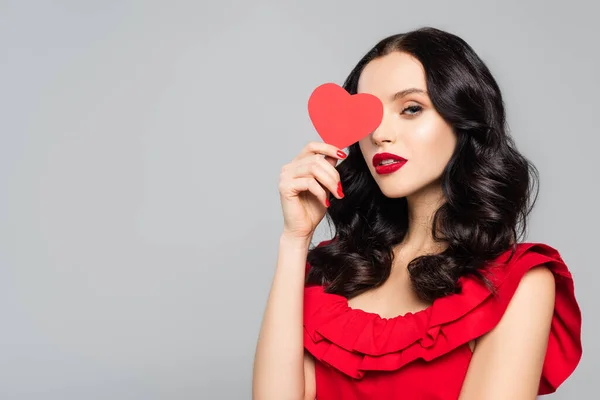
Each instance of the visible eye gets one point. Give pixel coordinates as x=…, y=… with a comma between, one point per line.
x=414, y=109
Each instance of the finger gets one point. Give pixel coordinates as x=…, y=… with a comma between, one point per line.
x=319, y=171
x=331, y=160
x=327, y=162
x=329, y=166
x=330, y=163
x=298, y=185
x=321, y=148
x=318, y=191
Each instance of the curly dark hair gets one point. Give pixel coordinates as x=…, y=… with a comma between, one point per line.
x=487, y=184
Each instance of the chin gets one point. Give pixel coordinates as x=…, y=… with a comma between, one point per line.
x=400, y=188
x=394, y=191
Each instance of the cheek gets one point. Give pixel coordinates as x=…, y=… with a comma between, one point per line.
x=434, y=141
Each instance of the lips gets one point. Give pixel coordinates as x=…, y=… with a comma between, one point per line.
x=388, y=167
x=379, y=157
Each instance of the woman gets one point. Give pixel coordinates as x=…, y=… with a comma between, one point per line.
x=425, y=291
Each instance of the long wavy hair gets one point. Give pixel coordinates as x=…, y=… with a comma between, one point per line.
x=487, y=184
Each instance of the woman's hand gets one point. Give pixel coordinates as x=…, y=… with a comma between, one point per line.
x=304, y=187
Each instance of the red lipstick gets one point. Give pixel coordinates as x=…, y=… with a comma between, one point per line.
x=391, y=163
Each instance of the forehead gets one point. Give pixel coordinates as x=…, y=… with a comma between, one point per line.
x=391, y=73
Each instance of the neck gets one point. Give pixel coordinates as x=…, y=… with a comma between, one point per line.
x=422, y=206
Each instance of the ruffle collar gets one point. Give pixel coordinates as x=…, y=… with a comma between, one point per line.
x=355, y=341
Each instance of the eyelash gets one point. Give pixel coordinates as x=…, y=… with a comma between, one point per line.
x=416, y=109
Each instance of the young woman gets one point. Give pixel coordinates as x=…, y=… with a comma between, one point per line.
x=425, y=291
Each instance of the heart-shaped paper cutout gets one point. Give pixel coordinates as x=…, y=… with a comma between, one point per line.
x=342, y=119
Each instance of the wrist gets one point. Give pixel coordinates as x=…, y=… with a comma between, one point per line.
x=295, y=240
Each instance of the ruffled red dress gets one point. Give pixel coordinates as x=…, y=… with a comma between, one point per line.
x=425, y=355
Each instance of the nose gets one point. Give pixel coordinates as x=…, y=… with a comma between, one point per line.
x=385, y=132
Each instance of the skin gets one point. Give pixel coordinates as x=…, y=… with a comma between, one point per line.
x=412, y=129
x=507, y=361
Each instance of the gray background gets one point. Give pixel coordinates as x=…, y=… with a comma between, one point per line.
x=141, y=144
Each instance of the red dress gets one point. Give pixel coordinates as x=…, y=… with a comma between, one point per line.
x=425, y=355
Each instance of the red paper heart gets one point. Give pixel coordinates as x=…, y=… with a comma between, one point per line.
x=342, y=119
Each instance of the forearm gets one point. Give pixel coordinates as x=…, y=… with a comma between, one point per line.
x=278, y=364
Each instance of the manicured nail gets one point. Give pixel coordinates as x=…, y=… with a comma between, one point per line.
x=339, y=190
x=327, y=203
x=341, y=154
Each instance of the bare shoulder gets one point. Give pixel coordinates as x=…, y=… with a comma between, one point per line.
x=538, y=283
x=507, y=361
x=531, y=306
x=533, y=301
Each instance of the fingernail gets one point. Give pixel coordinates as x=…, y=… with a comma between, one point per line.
x=341, y=154
x=327, y=203
x=339, y=190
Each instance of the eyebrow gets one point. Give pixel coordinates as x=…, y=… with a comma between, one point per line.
x=402, y=93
